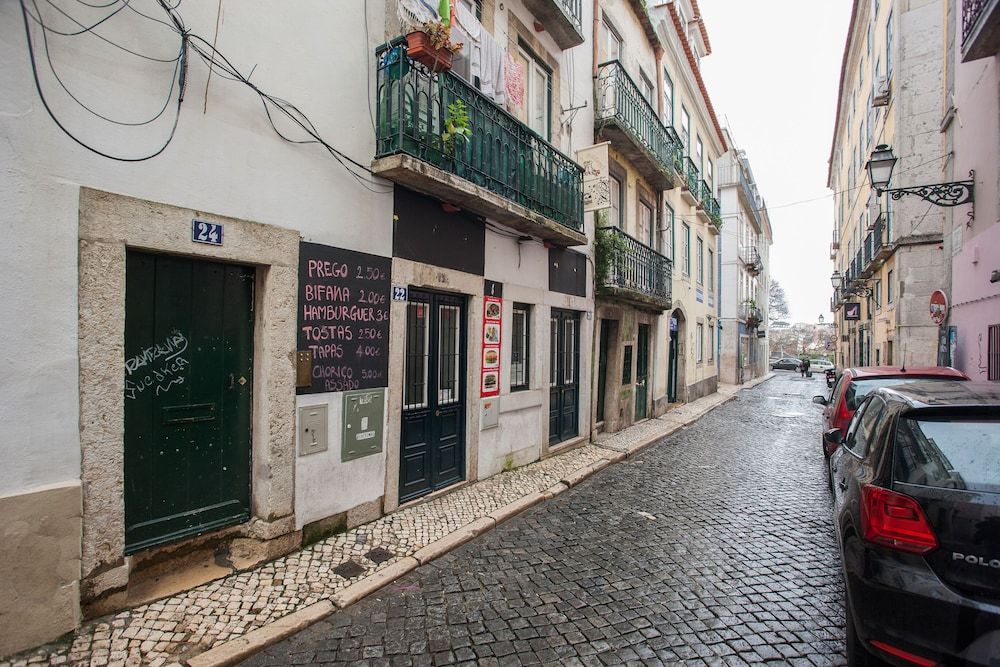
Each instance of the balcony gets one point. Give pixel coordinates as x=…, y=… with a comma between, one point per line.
x=504, y=171
x=754, y=264
x=751, y=314
x=630, y=271
x=877, y=248
x=563, y=19
x=835, y=245
x=626, y=119
x=708, y=206
x=691, y=185
x=980, y=29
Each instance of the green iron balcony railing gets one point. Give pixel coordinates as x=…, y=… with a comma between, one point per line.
x=619, y=101
x=502, y=155
x=980, y=31
x=710, y=203
x=692, y=177
x=635, y=267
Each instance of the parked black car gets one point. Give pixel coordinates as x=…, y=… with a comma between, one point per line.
x=916, y=486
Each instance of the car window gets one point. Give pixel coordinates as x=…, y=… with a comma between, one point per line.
x=858, y=389
x=950, y=452
x=864, y=425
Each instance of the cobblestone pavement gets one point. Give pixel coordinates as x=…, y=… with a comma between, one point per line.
x=714, y=546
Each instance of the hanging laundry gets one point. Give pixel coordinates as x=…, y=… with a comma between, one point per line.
x=414, y=13
x=491, y=78
x=514, y=83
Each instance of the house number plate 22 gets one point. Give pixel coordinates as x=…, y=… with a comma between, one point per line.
x=203, y=231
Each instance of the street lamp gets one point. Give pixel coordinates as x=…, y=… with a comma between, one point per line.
x=954, y=193
x=821, y=318
x=837, y=280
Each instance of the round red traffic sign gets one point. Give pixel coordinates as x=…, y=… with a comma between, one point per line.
x=939, y=307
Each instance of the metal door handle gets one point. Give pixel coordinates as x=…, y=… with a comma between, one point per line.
x=437, y=413
x=232, y=381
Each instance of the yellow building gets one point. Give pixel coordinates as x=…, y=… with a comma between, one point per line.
x=657, y=256
x=890, y=255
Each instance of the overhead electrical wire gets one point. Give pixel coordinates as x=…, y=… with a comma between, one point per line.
x=207, y=52
x=180, y=73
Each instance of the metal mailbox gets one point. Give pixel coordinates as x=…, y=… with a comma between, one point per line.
x=363, y=428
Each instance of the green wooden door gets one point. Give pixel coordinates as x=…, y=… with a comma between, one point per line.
x=188, y=380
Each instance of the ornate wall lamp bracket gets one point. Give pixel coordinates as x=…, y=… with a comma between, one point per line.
x=955, y=193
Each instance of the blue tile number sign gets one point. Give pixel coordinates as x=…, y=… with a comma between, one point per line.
x=203, y=231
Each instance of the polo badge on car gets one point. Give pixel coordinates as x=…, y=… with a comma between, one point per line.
x=973, y=559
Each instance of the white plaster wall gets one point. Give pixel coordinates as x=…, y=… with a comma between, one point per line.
x=226, y=160
x=324, y=484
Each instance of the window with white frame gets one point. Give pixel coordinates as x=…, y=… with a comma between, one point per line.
x=666, y=246
x=617, y=210
x=711, y=342
x=520, y=339
x=686, y=234
x=645, y=223
x=700, y=343
x=699, y=154
x=701, y=261
x=535, y=109
x=686, y=129
x=711, y=270
x=668, y=99
x=646, y=87
x=610, y=45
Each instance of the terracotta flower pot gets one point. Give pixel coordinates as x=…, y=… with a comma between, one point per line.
x=419, y=47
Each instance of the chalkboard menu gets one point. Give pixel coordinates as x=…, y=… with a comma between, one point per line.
x=344, y=317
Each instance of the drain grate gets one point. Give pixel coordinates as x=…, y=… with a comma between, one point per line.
x=379, y=555
x=349, y=569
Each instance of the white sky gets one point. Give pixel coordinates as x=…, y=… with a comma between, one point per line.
x=773, y=77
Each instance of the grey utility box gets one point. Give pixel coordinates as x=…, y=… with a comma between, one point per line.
x=363, y=430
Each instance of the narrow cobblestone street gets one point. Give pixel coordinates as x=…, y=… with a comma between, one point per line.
x=714, y=546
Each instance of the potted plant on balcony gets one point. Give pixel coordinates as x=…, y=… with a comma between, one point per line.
x=432, y=47
x=752, y=314
x=609, y=249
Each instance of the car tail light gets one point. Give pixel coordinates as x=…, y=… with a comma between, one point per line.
x=895, y=521
x=843, y=415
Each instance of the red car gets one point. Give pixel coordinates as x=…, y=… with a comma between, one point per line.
x=855, y=383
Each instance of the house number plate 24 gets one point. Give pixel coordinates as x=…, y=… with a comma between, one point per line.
x=203, y=231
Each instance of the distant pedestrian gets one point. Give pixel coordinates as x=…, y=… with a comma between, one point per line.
x=804, y=366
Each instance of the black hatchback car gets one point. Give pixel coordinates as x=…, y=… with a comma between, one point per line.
x=916, y=487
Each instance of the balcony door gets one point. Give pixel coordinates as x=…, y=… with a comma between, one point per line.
x=535, y=108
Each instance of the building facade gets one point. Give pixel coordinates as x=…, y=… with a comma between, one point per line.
x=745, y=275
x=972, y=125
x=891, y=254
x=245, y=343
x=256, y=327
x=656, y=242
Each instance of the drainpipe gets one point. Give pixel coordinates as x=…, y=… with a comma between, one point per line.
x=597, y=17
x=658, y=51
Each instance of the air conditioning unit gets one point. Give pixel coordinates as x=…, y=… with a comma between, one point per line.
x=881, y=97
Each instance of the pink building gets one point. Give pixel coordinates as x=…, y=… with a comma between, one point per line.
x=972, y=122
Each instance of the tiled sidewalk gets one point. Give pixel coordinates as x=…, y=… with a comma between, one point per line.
x=177, y=628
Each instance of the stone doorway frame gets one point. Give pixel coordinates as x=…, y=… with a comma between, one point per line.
x=109, y=224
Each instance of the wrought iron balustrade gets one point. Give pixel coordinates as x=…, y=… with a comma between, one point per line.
x=574, y=10
x=691, y=176
x=971, y=11
x=502, y=155
x=635, y=267
x=751, y=314
x=619, y=99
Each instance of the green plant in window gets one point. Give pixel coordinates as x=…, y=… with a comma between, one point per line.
x=609, y=247
x=456, y=126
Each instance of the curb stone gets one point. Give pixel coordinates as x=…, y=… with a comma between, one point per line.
x=235, y=650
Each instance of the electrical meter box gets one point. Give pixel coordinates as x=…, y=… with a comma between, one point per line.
x=363, y=430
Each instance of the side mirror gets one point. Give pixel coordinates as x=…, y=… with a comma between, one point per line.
x=820, y=400
x=833, y=437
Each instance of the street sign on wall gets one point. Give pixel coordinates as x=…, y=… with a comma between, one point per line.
x=852, y=311
x=938, y=307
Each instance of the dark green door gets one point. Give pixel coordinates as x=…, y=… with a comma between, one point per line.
x=188, y=380
x=602, y=368
x=432, y=452
x=642, y=372
x=564, y=375
x=672, y=362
